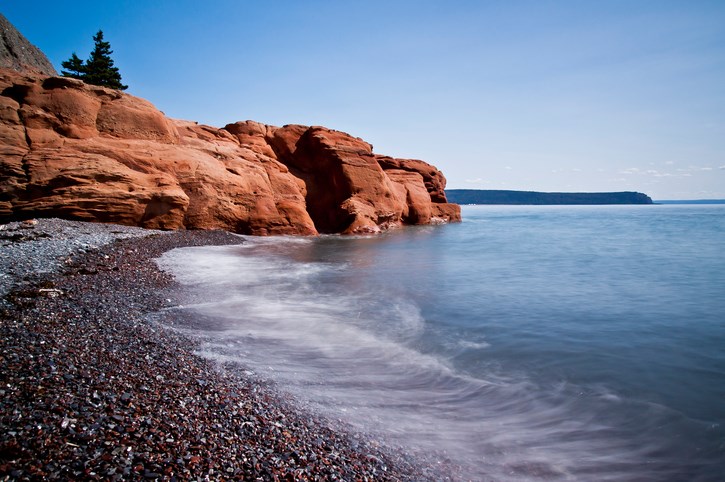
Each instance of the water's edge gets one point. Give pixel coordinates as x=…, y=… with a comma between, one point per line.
x=398, y=334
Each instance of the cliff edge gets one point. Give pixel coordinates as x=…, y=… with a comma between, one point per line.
x=78, y=151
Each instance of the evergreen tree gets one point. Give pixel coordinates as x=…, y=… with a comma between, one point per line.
x=74, y=67
x=99, y=66
x=98, y=69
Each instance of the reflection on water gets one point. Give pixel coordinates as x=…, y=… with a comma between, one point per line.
x=554, y=344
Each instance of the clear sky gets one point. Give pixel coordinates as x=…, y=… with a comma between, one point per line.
x=530, y=95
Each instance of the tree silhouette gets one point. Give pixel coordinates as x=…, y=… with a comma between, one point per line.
x=98, y=69
x=74, y=66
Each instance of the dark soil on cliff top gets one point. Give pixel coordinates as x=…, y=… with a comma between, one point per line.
x=90, y=389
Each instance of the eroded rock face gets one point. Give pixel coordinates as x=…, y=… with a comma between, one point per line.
x=84, y=152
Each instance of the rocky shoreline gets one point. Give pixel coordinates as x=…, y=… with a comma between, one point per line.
x=90, y=389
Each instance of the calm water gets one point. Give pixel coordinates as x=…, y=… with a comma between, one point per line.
x=528, y=343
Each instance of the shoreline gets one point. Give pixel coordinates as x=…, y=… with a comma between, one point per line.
x=92, y=389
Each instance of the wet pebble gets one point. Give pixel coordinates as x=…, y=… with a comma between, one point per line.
x=92, y=389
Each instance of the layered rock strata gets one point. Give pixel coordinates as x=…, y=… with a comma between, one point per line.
x=89, y=153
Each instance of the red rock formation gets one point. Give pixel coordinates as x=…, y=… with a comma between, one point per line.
x=77, y=151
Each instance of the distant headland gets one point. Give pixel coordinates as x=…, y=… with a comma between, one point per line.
x=485, y=196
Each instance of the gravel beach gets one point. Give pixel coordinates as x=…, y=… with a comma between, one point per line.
x=90, y=389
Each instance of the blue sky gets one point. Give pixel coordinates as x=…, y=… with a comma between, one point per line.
x=531, y=95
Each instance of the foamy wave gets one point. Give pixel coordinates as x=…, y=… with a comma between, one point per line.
x=285, y=310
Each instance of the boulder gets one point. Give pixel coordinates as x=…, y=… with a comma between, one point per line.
x=435, y=182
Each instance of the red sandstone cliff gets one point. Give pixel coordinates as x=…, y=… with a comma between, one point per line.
x=84, y=152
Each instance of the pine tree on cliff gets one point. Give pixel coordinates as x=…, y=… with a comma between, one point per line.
x=74, y=67
x=98, y=69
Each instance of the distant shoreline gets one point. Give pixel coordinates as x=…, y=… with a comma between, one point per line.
x=505, y=197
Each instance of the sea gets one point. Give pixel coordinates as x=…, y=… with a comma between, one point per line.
x=524, y=343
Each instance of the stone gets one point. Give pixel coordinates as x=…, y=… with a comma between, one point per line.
x=17, y=53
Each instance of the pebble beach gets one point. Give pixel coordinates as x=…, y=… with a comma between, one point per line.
x=91, y=388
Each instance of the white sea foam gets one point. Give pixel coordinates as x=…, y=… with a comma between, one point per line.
x=473, y=345
x=349, y=355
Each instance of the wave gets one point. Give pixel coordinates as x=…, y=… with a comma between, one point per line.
x=367, y=354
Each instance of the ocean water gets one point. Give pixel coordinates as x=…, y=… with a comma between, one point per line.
x=525, y=343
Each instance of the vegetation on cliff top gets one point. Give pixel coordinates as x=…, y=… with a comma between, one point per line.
x=98, y=69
